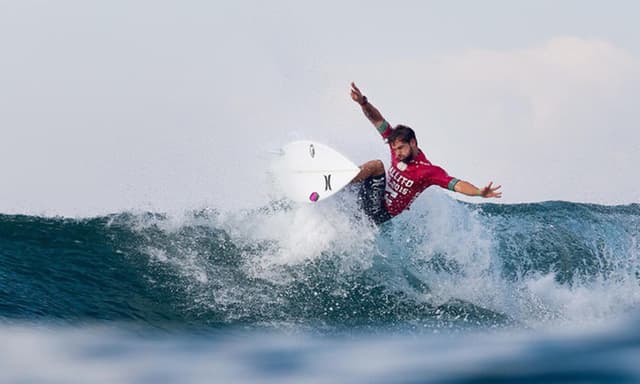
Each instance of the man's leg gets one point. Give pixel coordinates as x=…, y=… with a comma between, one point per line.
x=371, y=188
x=369, y=169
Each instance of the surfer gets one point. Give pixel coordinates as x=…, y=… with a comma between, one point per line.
x=410, y=172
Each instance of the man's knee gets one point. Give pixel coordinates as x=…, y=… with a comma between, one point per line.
x=373, y=166
x=377, y=167
x=369, y=169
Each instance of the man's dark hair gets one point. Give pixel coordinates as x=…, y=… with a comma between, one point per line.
x=402, y=133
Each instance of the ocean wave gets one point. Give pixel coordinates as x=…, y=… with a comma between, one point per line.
x=442, y=264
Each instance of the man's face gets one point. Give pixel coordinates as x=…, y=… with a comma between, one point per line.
x=404, y=151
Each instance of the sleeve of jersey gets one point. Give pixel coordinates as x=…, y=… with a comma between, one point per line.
x=384, y=129
x=438, y=176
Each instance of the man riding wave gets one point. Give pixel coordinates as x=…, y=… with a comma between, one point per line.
x=410, y=172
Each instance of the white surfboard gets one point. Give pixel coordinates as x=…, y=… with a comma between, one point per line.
x=309, y=172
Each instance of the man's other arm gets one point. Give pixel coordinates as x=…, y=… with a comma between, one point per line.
x=469, y=189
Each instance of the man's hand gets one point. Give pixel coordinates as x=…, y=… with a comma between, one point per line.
x=356, y=95
x=490, y=191
x=469, y=189
x=369, y=110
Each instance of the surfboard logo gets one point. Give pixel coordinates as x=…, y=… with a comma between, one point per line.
x=327, y=182
x=312, y=151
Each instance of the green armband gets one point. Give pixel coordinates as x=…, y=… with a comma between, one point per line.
x=383, y=127
x=452, y=184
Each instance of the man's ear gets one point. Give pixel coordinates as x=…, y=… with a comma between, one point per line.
x=413, y=142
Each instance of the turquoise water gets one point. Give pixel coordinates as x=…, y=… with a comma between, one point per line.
x=447, y=292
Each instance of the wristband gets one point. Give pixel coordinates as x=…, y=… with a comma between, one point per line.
x=364, y=101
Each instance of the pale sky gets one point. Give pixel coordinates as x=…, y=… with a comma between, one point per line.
x=166, y=105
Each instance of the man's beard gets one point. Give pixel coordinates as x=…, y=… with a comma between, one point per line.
x=407, y=159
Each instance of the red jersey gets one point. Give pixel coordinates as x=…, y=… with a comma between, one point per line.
x=405, y=181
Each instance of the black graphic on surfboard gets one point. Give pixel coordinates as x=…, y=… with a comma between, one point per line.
x=327, y=182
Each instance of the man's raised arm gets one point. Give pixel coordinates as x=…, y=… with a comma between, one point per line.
x=369, y=110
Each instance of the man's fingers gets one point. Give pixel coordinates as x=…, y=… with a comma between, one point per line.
x=353, y=85
x=491, y=191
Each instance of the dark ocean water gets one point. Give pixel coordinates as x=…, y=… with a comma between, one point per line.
x=447, y=292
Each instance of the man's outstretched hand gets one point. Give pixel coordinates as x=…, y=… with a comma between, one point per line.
x=490, y=191
x=356, y=95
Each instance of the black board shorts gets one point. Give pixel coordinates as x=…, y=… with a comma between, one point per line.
x=371, y=198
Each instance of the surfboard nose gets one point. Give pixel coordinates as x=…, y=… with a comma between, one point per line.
x=308, y=171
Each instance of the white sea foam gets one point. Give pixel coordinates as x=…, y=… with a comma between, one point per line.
x=302, y=234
